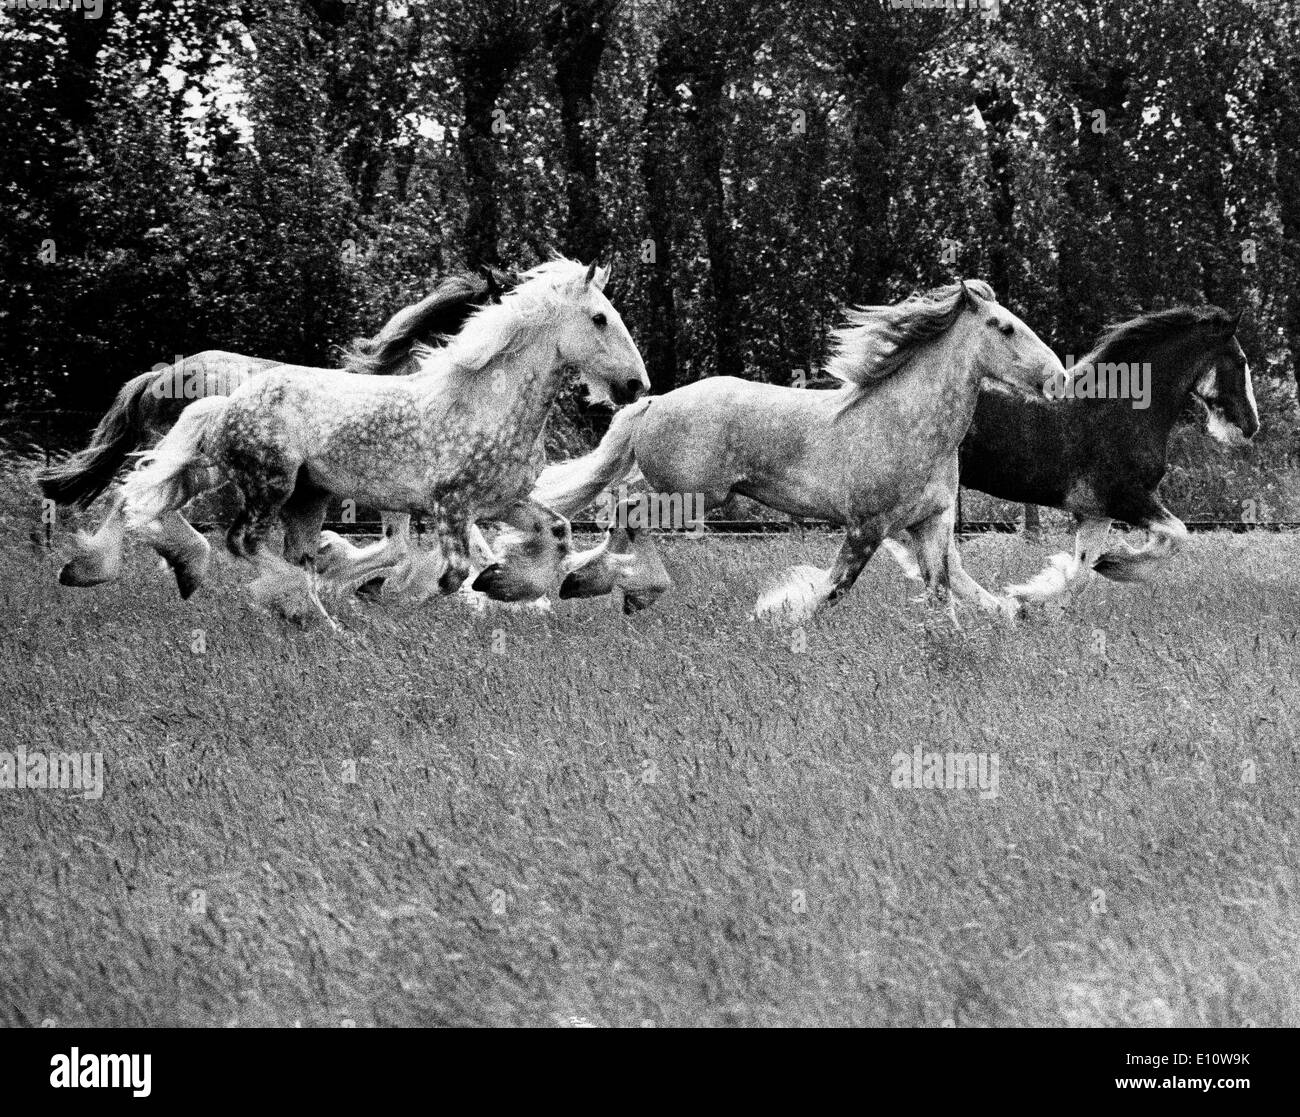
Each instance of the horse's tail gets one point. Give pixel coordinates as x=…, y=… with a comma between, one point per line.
x=1124, y=564
x=162, y=481
x=81, y=477
x=568, y=487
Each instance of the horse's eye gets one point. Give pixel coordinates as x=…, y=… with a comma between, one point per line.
x=599, y=319
x=1008, y=329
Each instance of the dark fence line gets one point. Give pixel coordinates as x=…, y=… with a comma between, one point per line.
x=741, y=528
x=759, y=528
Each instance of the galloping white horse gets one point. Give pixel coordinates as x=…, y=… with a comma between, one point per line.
x=148, y=406
x=457, y=441
x=878, y=456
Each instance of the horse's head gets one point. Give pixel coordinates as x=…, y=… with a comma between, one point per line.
x=1006, y=348
x=593, y=340
x=1224, y=388
x=964, y=316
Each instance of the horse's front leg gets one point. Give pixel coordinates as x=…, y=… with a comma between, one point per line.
x=451, y=531
x=1063, y=571
x=965, y=588
x=1167, y=536
x=859, y=545
x=172, y=536
x=340, y=560
x=627, y=559
x=184, y=548
x=803, y=590
x=531, y=557
x=536, y=519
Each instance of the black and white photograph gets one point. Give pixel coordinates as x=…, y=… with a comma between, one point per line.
x=658, y=514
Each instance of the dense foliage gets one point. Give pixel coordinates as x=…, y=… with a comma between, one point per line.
x=277, y=178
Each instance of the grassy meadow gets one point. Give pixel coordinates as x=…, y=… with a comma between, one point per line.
x=682, y=818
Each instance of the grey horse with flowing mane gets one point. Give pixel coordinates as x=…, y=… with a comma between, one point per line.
x=878, y=455
x=459, y=440
x=148, y=406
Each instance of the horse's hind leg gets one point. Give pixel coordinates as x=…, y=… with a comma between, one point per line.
x=804, y=589
x=390, y=558
x=303, y=515
x=98, y=558
x=265, y=493
x=383, y=566
x=1063, y=571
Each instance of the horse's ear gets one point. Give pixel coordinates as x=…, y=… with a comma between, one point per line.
x=968, y=296
x=591, y=273
x=493, y=287
x=1236, y=321
x=602, y=277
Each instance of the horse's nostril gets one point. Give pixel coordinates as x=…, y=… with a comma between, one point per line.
x=635, y=389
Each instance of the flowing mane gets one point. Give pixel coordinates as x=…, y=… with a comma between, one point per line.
x=439, y=314
x=507, y=326
x=879, y=339
x=1139, y=337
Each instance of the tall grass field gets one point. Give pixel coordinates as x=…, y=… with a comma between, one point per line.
x=680, y=818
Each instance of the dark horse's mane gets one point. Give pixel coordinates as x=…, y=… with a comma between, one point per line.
x=1133, y=339
x=439, y=314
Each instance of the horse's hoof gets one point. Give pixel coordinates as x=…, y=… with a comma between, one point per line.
x=1010, y=609
x=494, y=583
x=187, y=581
x=634, y=602
x=451, y=579
x=71, y=576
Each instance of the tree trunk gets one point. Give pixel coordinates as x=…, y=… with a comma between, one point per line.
x=710, y=137
x=577, y=33
x=657, y=127
x=493, y=39
x=876, y=70
x=478, y=151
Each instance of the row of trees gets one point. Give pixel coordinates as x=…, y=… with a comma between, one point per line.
x=276, y=178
